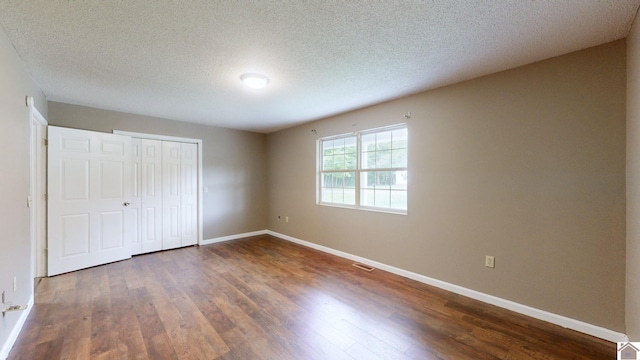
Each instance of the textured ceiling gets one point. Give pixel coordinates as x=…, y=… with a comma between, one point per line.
x=183, y=59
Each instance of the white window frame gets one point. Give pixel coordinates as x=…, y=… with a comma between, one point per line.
x=358, y=170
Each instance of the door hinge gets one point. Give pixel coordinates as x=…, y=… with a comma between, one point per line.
x=45, y=142
x=46, y=197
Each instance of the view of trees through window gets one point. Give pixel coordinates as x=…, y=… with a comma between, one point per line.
x=339, y=162
x=368, y=169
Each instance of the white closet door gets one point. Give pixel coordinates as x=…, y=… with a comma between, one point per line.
x=151, y=195
x=89, y=187
x=171, y=232
x=189, y=193
x=134, y=220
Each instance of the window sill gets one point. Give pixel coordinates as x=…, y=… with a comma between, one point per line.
x=365, y=208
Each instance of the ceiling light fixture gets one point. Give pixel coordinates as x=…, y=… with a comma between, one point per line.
x=254, y=81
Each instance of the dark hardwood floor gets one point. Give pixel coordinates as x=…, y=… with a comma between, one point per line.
x=265, y=298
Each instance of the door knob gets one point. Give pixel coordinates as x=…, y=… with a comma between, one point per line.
x=126, y=204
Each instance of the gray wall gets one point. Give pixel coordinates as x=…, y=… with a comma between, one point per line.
x=633, y=184
x=234, y=163
x=15, y=245
x=527, y=165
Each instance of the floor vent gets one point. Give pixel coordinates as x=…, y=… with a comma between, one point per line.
x=364, y=267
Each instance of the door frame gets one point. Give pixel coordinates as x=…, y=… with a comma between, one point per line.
x=183, y=140
x=37, y=189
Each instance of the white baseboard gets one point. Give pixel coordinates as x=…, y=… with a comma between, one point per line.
x=232, y=237
x=13, y=336
x=560, y=320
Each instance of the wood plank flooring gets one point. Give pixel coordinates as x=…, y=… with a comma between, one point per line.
x=265, y=298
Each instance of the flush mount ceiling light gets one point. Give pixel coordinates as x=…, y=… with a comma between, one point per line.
x=254, y=81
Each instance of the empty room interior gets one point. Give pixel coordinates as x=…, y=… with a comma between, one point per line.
x=320, y=180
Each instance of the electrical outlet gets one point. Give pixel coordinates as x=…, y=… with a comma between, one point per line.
x=490, y=261
x=286, y=219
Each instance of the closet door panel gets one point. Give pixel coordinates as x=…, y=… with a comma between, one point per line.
x=151, y=195
x=189, y=193
x=134, y=220
x=171, y=206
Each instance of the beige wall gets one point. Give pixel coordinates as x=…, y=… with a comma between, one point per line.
x=527, y=165
x=15, y=246
x=633, y=184
x=234, y=163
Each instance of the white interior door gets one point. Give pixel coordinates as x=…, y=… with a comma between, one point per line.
x=171, y=232
x=189, y=193
x=151, y=195
x=89, y=183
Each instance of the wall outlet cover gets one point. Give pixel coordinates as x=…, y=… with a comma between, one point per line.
x=490, y=261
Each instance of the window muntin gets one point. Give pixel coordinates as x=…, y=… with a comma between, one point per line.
x=365, y=170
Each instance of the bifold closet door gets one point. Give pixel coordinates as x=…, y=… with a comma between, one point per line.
x=188, y=194
x=179, y=194
x=151, y=195
x=135, y=220
x=171, y=237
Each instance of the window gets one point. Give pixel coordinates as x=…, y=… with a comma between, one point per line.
x=365, y=170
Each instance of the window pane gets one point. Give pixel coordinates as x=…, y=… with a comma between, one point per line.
x=338, y=146
x=338, y=162
x=327, y=147
x=383, y=159
x=340, y=180
x=351, y=161
x=384, y=179
x=338, y=188
x=399, y=200
x=383, y=140
x=384, y=189
x=350, y=180
x=368, y=180
x=339, y=154
x=337, y=196
x=399, y=138
x=382, y=198
x=384, y=149
x=367, y=197
x=399, y=158
x=329, y=181
x=325, y=195
x=350, y=145
x=350, y=153
x=368, y=142
x=333, y=162
x=327, y=163
x=350, y=196
x=369, y=160
x=400, y=180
